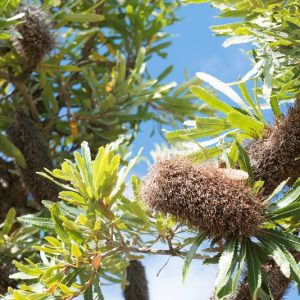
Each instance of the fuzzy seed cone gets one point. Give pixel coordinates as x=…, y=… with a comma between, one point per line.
x=29, y=140
x=36, y=39
x=138, y=286
x=274, y=156
x=278, y=283
x=202, y=196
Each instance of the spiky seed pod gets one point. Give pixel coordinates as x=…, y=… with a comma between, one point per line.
x=202, y=196
x=25, y=135
x=274, y=156
x=36, y=38
x=137, y=289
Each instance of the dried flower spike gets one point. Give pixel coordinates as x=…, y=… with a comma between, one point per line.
x=204, y=197
x=275, y=156
x=36, y=39
x=26, y=136
x=137, y=289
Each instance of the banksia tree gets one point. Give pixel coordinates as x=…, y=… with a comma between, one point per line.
x=78, y=109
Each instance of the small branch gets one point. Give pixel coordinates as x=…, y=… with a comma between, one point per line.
x=153, y=251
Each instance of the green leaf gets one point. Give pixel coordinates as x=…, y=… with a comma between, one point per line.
x=213, y=122
x=292, y=210
x=28, y=270
x=83, y=18
x=45, y=224
x=226, y=265
x=86, y=154
x=295, y=271
x=278, y=255
x=245, y=161
x=210, y=99
x=193, y=133
x=9, y=221
x=290, y=197
x=9, y=149
x=254, y=271
x=61, y=232
x=239, y=270
x=275, y=107
x=250, y=101
x=224, y=88
x=183, y=87
x=246, y=123
x=189, y=256
x=278, y=190
x=286, y=239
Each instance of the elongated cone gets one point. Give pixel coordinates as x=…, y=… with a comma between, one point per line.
x=275, y=157
x=35, y=38
x=137, y=289
x=26, y=136
x=204, y=197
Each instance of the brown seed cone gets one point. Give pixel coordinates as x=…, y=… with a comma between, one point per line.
x=202, y=196
x=36, y=38
x=278, y=283
x=274, y=156
x=25, y=135
x=138, y=286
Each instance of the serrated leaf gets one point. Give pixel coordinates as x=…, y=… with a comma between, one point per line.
x=245, y=123
x=290, y=197
x=225, y=265
x=28, y=270
x=192, y=134
x=60, y=230
x=278, y=255
x=286, y=239
x=213, y=122
x=82, y=18
x=9, y=149
x=290, y=211
x=254, y=269
x=86, y=154
x=224, y=88
x=244, y=161
x=210, y=99
x=189, y=256
x=9, y=221
x=45, y=224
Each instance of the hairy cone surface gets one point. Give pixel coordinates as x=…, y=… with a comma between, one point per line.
x=274, y=156
x=25, y=135
x=137, y=288
x=36, y=38
x=202, y=196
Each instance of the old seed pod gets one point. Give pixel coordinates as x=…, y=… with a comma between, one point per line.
x=36, y=38
x=204, y=197
x=275, y=156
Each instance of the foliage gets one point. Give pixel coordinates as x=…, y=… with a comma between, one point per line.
x=88, y=98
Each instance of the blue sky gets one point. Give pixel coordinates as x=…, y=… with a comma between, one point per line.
x=196, y=49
